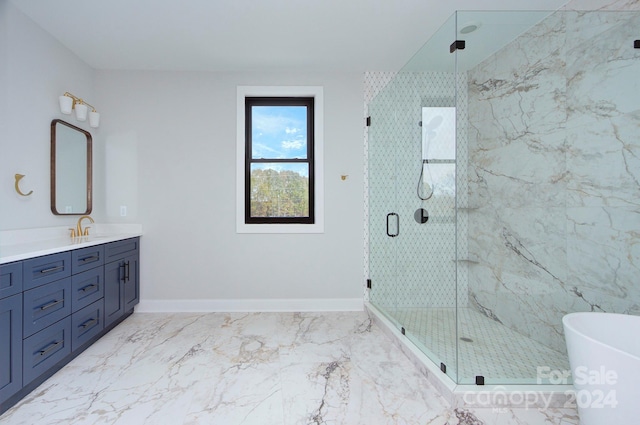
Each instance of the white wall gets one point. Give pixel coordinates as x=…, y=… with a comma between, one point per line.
x=166, y=149
x=170, y=140
x=34, y=70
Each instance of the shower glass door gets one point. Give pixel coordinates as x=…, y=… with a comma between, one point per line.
x=384, y=228
x=478, y=247
x=412, y=195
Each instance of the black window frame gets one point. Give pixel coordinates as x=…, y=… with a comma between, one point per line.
x=307, y=101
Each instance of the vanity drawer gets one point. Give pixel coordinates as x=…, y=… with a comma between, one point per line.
x=87, y=323
x=116, y=250
x=10, y=279
x=86, y=258
x=44, y=349
x=40, y=270
x=45, y=305
x=86, y=288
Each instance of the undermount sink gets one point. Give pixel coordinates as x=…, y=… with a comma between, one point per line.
x=93, y=237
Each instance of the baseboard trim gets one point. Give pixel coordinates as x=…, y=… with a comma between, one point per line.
x=250, y=305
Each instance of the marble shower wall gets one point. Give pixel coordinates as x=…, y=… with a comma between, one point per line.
x=554, y=174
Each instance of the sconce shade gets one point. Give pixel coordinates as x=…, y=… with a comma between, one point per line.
x=69, y=102
x=94, y=119
x=66, y=104
x=81, y=111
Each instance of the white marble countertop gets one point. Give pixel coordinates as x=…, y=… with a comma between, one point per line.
x=16, y=245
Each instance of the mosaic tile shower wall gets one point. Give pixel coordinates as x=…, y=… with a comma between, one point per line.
x=417, y=268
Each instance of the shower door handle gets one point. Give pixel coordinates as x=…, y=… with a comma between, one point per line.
x=393, y=235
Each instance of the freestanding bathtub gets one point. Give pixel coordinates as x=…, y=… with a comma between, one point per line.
x=604, y=354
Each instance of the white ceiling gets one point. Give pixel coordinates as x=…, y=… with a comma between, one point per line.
x=252, y=35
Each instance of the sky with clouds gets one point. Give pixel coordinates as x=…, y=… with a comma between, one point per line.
x=279, y=132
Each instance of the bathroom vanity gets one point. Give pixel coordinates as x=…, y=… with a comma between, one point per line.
x=57, y=297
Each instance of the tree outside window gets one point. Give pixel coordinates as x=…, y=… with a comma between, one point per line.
x=279, y=160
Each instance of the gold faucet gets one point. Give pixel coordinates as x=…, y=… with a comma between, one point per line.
x=79, y=231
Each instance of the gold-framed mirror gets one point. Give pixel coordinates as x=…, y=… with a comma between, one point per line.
x=71, y=169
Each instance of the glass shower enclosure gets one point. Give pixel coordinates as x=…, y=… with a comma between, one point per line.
x=503, y=178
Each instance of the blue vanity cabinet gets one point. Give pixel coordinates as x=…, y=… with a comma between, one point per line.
x=10, y=346
x=87, y=323
x=49, y=268
x=10, y=329
x=46, y=321
x=45, y=349
x=10, y=279
x=46, y=305
x=87, y=288
x=87, y=302
x=132, y=282
x=113, y=296
x=121, y=276
x=84, y=259
x=53, y=307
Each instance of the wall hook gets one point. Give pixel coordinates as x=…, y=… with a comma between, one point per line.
x=18, y=178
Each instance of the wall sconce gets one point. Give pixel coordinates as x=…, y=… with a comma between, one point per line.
x=68, y=102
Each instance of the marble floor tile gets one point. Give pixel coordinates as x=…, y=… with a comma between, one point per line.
x=250, y=368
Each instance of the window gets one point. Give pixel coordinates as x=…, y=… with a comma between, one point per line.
x=279, y=180
x=279, y=160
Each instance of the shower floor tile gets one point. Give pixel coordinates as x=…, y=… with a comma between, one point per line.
x=486, y=347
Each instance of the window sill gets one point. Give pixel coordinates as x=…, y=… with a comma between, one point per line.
x=292, y=91
x=280, y=228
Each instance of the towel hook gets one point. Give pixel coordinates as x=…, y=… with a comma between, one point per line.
x=18, y=178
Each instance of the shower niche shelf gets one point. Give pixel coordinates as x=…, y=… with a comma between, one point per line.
x=467, y=261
